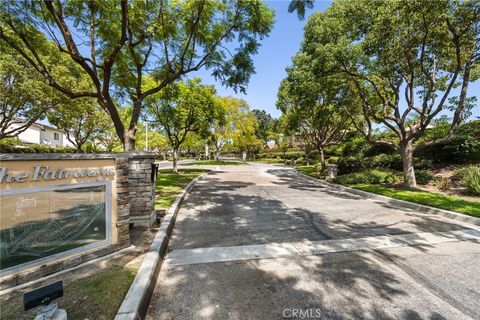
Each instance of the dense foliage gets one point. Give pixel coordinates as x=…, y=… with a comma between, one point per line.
x=397, y=61
x=121, y=45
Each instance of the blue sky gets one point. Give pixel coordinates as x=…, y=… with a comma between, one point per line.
x=275, y=55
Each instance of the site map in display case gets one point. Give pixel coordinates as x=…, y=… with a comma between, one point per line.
x=36, y=224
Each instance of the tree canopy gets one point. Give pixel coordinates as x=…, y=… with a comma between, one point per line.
x=120, y=44
x=24, y=97
x=403, y=60
x=182, y=108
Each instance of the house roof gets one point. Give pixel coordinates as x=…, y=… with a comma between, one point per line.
x=39, y=125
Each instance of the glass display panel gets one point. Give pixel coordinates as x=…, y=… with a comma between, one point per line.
x=36, y=225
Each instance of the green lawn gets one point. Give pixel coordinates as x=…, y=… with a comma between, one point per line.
x=310, y=171
x=469, y=207
x=96, y=297
x=216, y=163
x=437, y=200
x=169, y=185
x=269, y=160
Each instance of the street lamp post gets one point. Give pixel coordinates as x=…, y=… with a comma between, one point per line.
x=146, y=136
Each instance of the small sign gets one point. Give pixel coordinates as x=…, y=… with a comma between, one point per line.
x=44, y=173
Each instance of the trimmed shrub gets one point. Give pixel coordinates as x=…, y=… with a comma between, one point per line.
x=300, y=161
x=357, y=146
x=422, y=164
x=32, y=148
x=333, y=160
x=385, y=161
x=423, y=176
x=379, y=149
x=471, y=179
x=463, y=148
x=290, y=155
x=351, y=164
x=367, y=177
x=317, y=166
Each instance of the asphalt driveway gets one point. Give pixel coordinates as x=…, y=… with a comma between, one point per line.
x=260, y=242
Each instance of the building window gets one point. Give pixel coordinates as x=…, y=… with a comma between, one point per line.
x=56, y=136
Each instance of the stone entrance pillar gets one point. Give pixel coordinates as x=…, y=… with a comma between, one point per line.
x=331, y=172
x=141, y=188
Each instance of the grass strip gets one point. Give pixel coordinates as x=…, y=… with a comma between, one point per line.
x=169, y=185
x=437, y=200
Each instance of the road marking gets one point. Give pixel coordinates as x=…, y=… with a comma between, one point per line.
x=305, y=248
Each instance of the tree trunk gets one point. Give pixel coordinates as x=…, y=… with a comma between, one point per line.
x=284, y=158
x=244, y=156
x=322, y=160
x=109, y=107
x=407, y=161
x=206, y=150
x=175, y=160
x=129, y=143
x=217, y=155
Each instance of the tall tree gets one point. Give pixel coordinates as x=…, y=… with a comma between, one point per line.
x=81, y=120
x=404, y=59
x=182, y=108
x=235, y=121
x=120, y=44
x=155, y=141
x=265, y=125
x=24, y=97
x=300, y=6
x=284, y=138
x=243, y=135
x=315, y=107
x=194, y=144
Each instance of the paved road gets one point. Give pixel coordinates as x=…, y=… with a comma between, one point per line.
x=259, y=242
x=165, y=164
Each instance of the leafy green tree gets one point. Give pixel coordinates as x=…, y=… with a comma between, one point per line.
x=24, y=97
x=300, y=6
x=284, y=139
x=156, y=140
x=244, y=138
x=124, y=43
x=183, y=108
x=194, y=144
x=315, y=108
x=108, y=140
x=236, y=121
x=81, y=120
x=266, y=124
x=404, y=59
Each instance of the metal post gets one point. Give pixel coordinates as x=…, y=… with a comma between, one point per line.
x=146, y=136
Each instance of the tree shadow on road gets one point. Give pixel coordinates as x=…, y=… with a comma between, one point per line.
x=333, y=286
x=342, y=285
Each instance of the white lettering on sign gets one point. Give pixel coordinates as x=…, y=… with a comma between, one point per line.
x=44, y=173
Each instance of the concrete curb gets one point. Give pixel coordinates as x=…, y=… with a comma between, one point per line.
x=136, y=301
x=396, y=202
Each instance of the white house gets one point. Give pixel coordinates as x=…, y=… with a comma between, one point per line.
x=43, y=134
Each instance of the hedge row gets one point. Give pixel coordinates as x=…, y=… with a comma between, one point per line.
x=9, y=146
x=382, y=161
x=378, y=176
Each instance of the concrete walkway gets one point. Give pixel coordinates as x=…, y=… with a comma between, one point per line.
x=259, y=242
